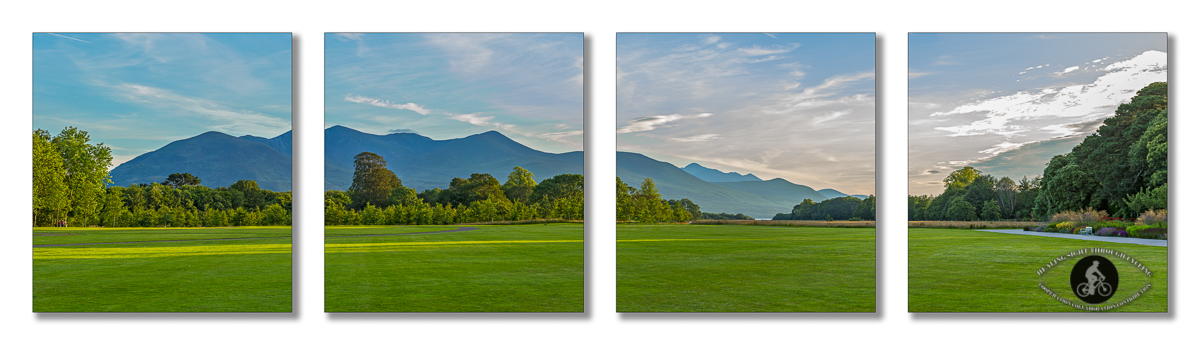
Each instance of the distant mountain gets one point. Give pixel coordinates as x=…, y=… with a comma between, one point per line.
x=830, y=193
x=755, y=198
x=714, y=175
x=423, y=163
x=779, y=187
x=218, y=159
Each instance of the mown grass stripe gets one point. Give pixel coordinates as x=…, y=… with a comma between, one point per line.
x=157, y=252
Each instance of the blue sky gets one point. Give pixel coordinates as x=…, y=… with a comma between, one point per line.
x=794, y=106
x=138, y=92
x=528, y=86
x=1006, y=103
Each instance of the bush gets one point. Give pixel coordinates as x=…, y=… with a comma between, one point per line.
x=1107, y=232
x=1151, y=233
x=1152, y=217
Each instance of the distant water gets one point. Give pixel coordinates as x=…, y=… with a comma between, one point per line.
x=762, y=218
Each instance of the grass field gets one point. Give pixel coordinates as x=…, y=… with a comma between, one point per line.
x=243, y=269
x=744, y=268
x=957, y=270
x=496, y=268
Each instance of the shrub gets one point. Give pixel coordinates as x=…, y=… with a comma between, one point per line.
x=1121, y=233
x=1136, y=229
x=1152, y=217
x=1152, y=233
x=1112, y=232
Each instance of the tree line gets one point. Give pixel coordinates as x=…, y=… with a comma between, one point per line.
x=71, y=187
x=972, y=195
x=377, y=197
x=644, y=204
x=842, y=208
x=1120, y=169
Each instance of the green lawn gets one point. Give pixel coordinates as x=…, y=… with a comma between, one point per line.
x=197, y=274
x=956, y=270
x=502, y=268
x=737, y=268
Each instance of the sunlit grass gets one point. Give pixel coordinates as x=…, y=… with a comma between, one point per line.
x=511, y=268
x=744, y=268
x=167, y=270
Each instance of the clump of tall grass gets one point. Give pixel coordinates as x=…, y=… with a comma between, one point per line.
x=1087, y=217
x=947, y=224
x=1151, y=217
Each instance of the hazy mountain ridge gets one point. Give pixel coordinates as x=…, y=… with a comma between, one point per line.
x=714, y=175
x=759, y=199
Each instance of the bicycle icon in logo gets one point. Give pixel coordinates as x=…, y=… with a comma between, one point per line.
x=1095, y=279
x=1095, y=284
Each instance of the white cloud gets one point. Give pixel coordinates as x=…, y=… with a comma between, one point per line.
x=650, y=123
x=560, y=136
x=756, y=50
x=1067, y=70
x=1070, y=104
x=388, y=104
x=696, y=138
x=480, y=120
x=350, y=36
x=224, y=118
x=712, y=39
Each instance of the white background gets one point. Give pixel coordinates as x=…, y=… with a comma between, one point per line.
x=599, y=20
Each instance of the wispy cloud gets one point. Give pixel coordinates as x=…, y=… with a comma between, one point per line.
x=650, y=123
x=696, y=138
x=350, y=36
x=756, y=50
x=481, y=120
x=560, y=136
x=387, y=104
x=222, y=117
x=68, y=37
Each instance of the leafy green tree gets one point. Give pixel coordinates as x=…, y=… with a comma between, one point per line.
x=373, y=182
x=49, y=189
x=86, y=174
x=960, y=209
x=520, y=185
x=563, y=186
x=403, y=196
x=991, y=211
x=866, y=209
x=961, y=178
x=177, y=180
x=476, y=188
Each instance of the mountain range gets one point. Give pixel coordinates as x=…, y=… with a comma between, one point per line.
x=716, y=191
x=218, y=159
x=422, y=163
